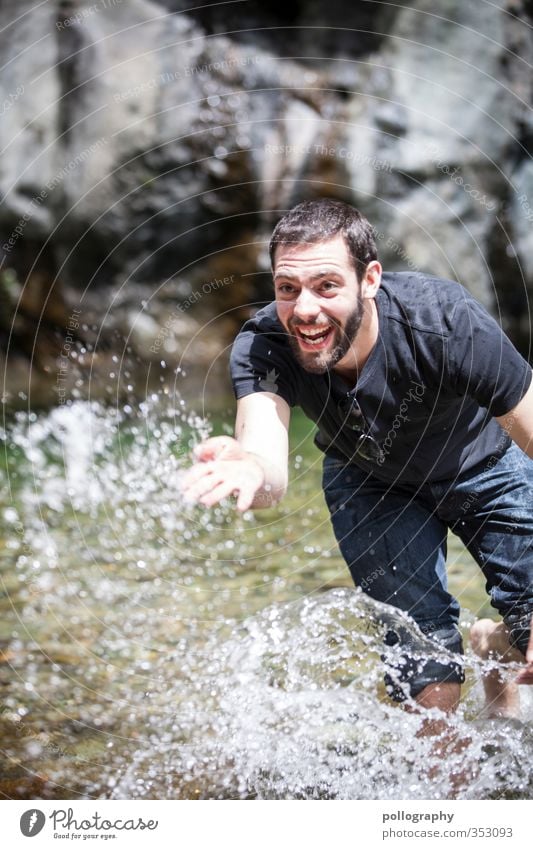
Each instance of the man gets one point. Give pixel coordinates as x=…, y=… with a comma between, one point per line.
x=425, y=416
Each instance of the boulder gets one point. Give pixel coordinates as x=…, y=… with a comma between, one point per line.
x=148, y=149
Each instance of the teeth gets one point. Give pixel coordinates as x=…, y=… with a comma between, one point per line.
x=317, y=332
x=314, y=341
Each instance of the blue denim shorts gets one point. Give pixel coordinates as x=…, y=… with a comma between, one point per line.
x=393, y=538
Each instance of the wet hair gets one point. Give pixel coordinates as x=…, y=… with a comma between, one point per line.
x=316, y=221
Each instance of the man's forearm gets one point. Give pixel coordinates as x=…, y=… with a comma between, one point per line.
x=261, y=434
x=518, y=423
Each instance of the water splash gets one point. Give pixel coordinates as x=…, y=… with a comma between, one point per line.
x=160, y=651
x=290, y=705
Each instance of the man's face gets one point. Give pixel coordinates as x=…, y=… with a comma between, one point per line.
x=318, y=301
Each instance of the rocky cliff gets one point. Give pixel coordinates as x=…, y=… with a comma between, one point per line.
x=147, y=150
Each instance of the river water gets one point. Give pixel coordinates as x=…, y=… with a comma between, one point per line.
x=151, y=649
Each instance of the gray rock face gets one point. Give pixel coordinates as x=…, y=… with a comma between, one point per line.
x=438, y=119
x=143, y=145
x=29, y=126
x=521, y=217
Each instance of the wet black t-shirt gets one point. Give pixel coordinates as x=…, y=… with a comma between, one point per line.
x=441, y=369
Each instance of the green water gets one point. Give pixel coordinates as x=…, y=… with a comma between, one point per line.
x=111, y=591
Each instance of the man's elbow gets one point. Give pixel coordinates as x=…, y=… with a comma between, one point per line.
x=518, y=422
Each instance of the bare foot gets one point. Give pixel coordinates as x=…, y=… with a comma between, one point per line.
x=490, y=641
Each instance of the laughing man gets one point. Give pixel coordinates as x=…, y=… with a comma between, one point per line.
x=425, y=416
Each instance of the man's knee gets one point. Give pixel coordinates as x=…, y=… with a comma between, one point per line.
x=482, y=636
x=414, y=665
x=493, y=639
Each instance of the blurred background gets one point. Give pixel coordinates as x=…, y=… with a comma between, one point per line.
x=150, y=649
x=148, y=149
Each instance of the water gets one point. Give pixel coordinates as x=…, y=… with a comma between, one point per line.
x=155, y=650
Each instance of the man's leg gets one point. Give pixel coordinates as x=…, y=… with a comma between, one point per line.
x=492, y=513
x=444, y=696
x=395, y=548
x=490, y=640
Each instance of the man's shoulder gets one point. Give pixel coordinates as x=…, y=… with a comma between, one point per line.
x=262, y=335
x=264, y=320
x=261, y=358
x=421, y=301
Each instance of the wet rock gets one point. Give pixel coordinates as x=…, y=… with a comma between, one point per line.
x=432, y=136
x=521, y=218
x=143, y=145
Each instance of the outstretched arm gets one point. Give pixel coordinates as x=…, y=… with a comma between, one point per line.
x=253, y=466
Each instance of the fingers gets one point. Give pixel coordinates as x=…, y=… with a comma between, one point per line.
x=195, y=474
x=200, y=480
x=210, y=488
x=525, y=676
x=215, y=448
x=245, y=498
x=209, y=483
x=222, y=490
x=529, y=652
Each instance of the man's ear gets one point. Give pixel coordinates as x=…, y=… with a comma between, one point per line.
x=371, y=279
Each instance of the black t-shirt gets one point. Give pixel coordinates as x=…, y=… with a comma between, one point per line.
x=441, y=369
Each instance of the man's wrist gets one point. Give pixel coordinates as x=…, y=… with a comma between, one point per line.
x=274, y=484
x=258, y=460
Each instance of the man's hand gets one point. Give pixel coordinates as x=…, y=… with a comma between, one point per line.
x=254, y=467
x=222, y=469
x=525, y=676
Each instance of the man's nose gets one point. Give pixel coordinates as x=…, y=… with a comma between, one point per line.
x=306, y=307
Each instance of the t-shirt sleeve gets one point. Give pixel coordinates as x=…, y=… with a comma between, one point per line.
x=483, y=361
x=260, y=362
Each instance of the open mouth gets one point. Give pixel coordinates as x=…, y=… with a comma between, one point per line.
x=313, y=338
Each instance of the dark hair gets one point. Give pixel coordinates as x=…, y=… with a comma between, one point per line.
x=320, y=220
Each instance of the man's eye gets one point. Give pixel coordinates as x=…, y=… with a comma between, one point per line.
x=286, y=289
x=328, y=285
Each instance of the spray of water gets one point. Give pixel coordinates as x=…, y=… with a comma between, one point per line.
x=156, y=650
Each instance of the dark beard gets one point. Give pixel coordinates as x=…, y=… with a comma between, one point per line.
x=324, y=361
